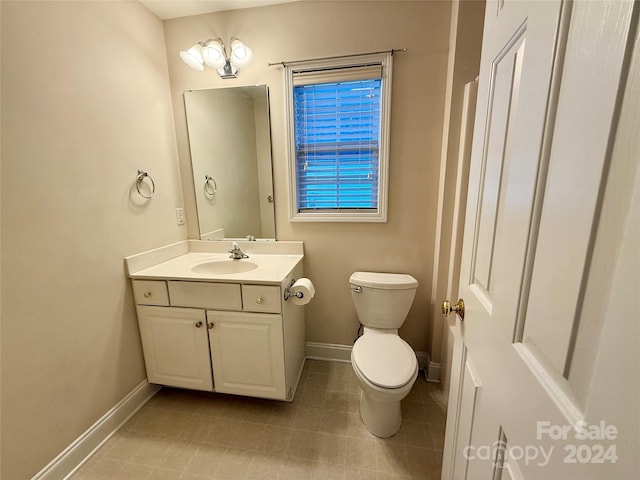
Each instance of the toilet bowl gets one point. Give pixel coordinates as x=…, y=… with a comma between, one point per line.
x=384, y=364
x=385, y=376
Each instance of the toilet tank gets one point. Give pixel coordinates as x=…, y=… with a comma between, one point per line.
x=382, y=300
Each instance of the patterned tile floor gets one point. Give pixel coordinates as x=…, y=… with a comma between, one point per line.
x=189, y=435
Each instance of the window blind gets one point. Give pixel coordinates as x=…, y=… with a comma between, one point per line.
x=337, y=138
x=335, y=75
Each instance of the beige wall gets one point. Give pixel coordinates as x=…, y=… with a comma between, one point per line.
x=322, y=28
x=85, y=103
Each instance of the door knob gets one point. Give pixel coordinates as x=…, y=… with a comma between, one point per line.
x=447, y=308
x=198, y=324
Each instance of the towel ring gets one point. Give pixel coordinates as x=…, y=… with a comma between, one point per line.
x=210, y=190
x=140, y=178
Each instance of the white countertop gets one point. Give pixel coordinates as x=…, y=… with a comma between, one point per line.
x=271, y=268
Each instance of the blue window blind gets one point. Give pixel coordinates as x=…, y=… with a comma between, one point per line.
x=337, y=140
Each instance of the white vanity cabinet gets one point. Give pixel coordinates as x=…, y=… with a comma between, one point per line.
x=176, y=346
x=219, y=336
x=247, y=353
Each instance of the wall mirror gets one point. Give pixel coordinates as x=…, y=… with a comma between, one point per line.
x=230, y=142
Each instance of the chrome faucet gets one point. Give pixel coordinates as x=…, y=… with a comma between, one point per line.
x=236, y=253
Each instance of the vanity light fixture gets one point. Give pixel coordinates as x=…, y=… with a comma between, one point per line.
x=213, y=53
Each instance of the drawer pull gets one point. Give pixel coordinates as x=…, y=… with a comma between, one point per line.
x=147, y=294
x=210, y=325
x=259, y=300
x=198, y=324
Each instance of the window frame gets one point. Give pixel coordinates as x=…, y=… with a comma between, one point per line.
x=378, y=215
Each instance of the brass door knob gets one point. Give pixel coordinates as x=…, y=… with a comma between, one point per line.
x=198, y=324
x=447, y=308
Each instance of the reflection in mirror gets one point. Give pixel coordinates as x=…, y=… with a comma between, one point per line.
x=230, y=141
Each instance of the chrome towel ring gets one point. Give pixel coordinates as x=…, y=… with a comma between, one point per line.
x=140, y=178
x=210, y=189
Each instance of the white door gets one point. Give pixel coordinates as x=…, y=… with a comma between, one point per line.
x=175, y=346
x=247, y=353
x=535, y=276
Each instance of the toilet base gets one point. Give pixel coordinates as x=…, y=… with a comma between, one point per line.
x=382, y=419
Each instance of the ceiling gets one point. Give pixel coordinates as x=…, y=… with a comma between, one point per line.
x=166, y=9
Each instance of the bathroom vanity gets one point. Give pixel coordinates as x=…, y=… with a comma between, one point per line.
x=208, y=322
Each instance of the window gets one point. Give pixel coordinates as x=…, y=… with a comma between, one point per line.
x=338, y=114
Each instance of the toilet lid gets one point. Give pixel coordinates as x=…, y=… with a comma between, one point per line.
x=385, y=360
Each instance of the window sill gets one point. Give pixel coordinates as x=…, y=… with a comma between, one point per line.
x=374, y=217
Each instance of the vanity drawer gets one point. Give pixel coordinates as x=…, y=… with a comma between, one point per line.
x=261, y=298
x=150, y=292
x=217, y=296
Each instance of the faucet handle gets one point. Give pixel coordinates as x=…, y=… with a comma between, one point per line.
x=236, y=253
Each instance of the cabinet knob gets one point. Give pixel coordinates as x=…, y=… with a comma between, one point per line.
x=147, y=294
x=259, y=300
x=210, y=325
x=198, y=324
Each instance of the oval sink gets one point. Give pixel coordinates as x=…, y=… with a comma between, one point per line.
x=222, y=267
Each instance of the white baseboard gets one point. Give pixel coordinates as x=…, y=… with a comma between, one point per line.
x=327, y=351
x=81, y=449
x=333, y=352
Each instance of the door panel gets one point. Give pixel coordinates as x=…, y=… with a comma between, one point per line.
x=470, y=387
x=548, y=91
x=176, y=350
x=247, y=353
x=502, y=108
x=574, y=180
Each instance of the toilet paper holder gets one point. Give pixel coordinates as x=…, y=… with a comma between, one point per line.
x=287, y=292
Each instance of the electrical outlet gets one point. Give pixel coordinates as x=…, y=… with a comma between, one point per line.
x=180, y=216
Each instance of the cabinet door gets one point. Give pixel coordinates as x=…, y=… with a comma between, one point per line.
x=247, y=353
x=175, y=345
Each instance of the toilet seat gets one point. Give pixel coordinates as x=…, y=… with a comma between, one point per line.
x=385, y=360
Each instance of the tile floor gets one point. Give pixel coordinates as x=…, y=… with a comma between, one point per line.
x=189, y=435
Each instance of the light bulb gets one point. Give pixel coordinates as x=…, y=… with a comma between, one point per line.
x=214, y=54
x=241, y=55
x=193, y=57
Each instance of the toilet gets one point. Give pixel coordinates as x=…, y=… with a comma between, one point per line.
x=385, y=365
